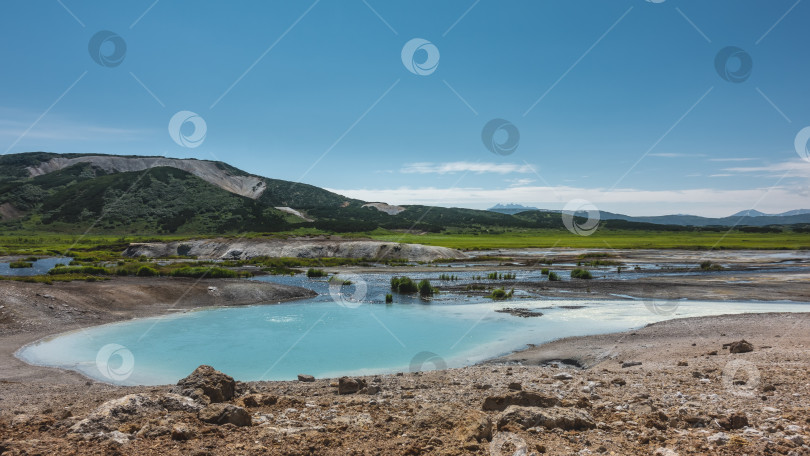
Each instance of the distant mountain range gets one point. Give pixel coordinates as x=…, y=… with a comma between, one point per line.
x=77, y=193
x=756, y=213
x=743, y=218
x=511, y=208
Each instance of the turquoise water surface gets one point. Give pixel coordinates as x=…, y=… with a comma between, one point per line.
x=329, y=336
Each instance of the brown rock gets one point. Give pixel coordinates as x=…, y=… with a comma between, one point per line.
x=741, y=346
x=110, y=415
x=182, y=432
x=521, y=398
x=515, y=386
x=735, y=421
x=209, y=382
x=258, y=400
x=474, y=427
x=225, y=413
x=370, y=390
x=569, y=419
x=348, y=385
x=618, y=382
x=305, y=378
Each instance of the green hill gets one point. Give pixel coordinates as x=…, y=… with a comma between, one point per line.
x=113, y=194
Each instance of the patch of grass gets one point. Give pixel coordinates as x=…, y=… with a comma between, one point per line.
x=147, y=271
x=50, y=279
x=581, y=274
x=544, y=271
x=83, y=270
x=389, y=298
x=20, y=265
x=501, y=276
x=312, y=273
x=553, y=277
x=617, y=239
x=594, y=255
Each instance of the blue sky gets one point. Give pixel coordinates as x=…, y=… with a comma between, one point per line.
x=618, y=103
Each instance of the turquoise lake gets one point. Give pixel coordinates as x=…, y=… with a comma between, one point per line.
x=334, y=335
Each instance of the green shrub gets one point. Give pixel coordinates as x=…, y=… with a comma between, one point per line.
x=20, y=265
x=31, y=259
x=146, y=271
x=315, y=273
x=389, y=298
x=581, y=274
x=544, y=271
x=403, y=285
x=425, y=289
x=499, y=294
x=553, y=277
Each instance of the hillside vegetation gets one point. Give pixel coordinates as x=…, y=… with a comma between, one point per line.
x=43, y=193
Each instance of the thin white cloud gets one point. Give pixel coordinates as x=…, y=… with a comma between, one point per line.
x=674, y=155
x=520, y=182
x=737, y=159
x=791, y=168
x=701, y=201
x=462, y=166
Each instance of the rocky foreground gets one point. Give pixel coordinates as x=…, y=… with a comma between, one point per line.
x=721, y=385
